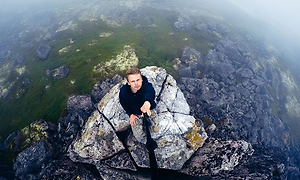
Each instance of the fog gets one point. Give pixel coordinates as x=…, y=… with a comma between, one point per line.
x=280, y=16
x=283, y=14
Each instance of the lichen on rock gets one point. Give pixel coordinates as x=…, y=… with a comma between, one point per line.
x=121, y=62
x=194, y=139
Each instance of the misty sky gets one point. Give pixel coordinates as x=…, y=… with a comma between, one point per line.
x=283, y=14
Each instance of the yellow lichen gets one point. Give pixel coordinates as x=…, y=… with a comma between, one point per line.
x=105, y=34
x=121, y=62
x=64, y=50
x=194, y=139
x=100, y=132
x=162, y=143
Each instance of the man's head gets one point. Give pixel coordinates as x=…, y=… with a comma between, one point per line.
x=134, y=79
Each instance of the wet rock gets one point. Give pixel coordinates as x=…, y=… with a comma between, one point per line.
x=43, y=51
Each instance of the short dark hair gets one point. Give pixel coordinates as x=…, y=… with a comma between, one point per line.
x=132, y=70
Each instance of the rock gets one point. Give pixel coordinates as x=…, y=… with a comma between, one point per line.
x=80, y=105
x=173, y=131
x=108, y=173
x=27, y=45
x=148, y=20
x=215, y=157
x=4, y=54
x=212, y=27
x=238, y=92
x=100, y=89
x=32, y=159
x=79, y=108
x=189, y=63
x=43, y=51
x=28, y=136
x=184, y=23
x=96, y=142
x=245, y=73
x=121, y=161
x=138, y=26
x=18, y=58
x=265, y=163
x=61, y=72
x=64, y=168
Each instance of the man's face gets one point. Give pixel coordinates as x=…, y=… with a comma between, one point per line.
x=135, y=82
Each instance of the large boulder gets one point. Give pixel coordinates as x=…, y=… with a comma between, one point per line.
x=177, y=134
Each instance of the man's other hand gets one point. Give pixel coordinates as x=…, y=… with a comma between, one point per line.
x=132, y=119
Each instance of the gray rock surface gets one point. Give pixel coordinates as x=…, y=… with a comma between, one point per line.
x=43, y=51
x=60, y=72
x=31, y=159
x=215, y=157
x=96, y=142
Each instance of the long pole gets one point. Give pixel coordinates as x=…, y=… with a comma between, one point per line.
x=151, y=145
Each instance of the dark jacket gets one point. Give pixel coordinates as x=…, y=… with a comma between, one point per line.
x=132, y=102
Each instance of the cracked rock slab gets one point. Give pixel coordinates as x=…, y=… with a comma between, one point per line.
x=97, y=141
x=170, y=129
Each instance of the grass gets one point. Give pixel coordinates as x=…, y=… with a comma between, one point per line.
x=155, y=45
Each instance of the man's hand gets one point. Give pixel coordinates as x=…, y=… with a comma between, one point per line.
x=146, y=108
x=132, y=119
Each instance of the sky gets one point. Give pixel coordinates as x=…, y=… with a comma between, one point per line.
x=284, y=14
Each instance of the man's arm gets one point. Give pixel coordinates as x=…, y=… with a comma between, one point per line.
x=146, y=108
x=148, y=97
x=132, y=119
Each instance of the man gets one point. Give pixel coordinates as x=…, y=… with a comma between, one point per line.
x=137, y=96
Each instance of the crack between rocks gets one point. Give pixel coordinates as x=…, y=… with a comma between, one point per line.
x=124, y=145
x=161, y=90
x=106, y=119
